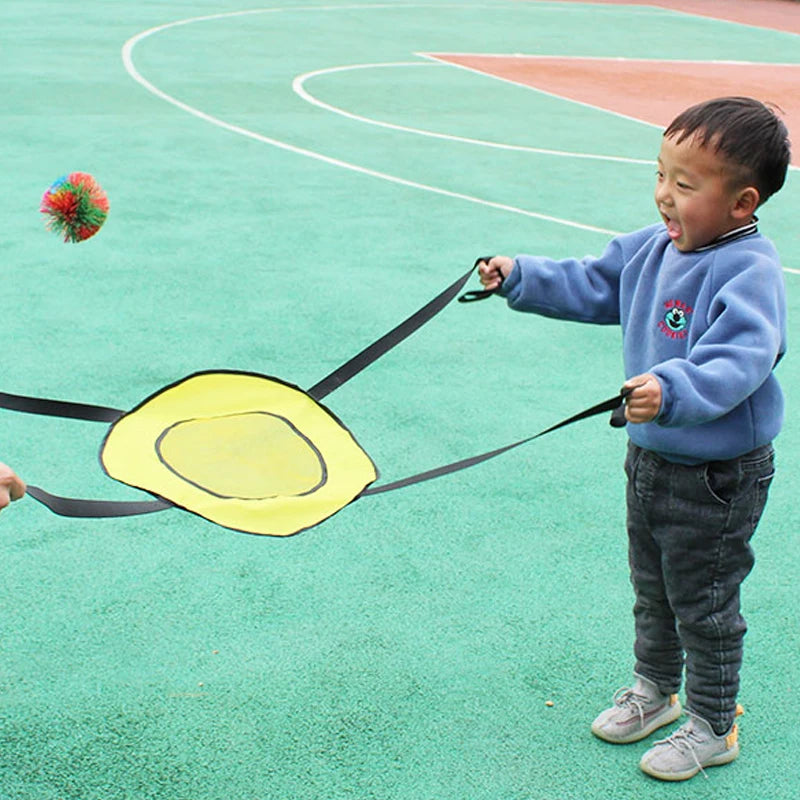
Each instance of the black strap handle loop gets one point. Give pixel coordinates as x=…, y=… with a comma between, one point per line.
x=618, y=418
x=479, y=294
x=476, y=294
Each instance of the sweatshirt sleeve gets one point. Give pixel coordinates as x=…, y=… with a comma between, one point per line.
x=745, y=338
x=582, y=290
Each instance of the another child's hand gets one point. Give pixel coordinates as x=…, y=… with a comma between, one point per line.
x=11, y=486
x=644, y=402
x=495, y=271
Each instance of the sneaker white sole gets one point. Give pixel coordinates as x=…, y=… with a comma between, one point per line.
x=668, y=715
x=718, y=760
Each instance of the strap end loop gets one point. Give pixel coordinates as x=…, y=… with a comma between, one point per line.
x=479, y=294
x=618, y=419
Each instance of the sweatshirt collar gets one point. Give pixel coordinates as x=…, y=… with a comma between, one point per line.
x=730, y=236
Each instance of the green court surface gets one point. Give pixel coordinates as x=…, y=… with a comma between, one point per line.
x=451, y=640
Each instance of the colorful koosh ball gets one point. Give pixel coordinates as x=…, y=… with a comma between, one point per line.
x=75, y=206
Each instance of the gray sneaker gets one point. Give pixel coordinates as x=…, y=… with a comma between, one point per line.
x=636, y=713
x=689, y=750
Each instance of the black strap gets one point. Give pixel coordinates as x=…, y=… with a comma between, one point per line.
x=77, y=507
x=58, y=408
x=612, y=404
x=618, y=419
x=388, y=341
x=69, y=506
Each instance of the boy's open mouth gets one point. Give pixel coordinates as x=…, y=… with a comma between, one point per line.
x=674, y=230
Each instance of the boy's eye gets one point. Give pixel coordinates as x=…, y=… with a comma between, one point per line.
x=682, y=185
x=659, y=175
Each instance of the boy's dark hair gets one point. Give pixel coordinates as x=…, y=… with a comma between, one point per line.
x=748, y=133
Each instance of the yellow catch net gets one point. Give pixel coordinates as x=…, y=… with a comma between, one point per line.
x=245, y=451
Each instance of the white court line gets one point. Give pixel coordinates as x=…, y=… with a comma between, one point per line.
x=298, y=85
x=130, y=67
x=626, y=59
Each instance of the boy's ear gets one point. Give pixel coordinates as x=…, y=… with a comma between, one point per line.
x=747, y=200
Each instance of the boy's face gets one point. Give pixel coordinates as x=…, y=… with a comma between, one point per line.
x=694, y=194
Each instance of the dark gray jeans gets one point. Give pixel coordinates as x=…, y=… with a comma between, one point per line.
x=689, y=531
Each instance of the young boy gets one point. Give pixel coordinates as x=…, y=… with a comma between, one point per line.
x=11, y=486
x=700, y=298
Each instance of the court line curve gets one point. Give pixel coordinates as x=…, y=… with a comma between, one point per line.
x=298, y=85
x=130, y=67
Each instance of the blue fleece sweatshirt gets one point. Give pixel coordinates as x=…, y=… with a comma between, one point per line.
x=709, y=324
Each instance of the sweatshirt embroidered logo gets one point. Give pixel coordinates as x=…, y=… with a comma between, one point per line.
x=676, y=319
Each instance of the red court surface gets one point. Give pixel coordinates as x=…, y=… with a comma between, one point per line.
x=782, y=15
x=652, y=91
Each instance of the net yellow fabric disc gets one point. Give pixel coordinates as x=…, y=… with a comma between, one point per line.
x=243, y=450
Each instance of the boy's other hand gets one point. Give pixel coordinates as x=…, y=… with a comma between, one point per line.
x=11, y=486
x=495, y=271
x=644, y=402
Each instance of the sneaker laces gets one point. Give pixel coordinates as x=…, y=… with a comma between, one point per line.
x=628, y=698
x=684, y=740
